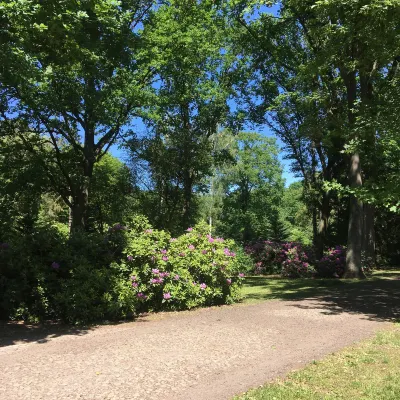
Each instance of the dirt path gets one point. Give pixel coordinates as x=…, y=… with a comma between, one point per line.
x=209, y=354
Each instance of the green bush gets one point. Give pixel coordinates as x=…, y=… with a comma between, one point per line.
x=88, y=277
x=192, y=270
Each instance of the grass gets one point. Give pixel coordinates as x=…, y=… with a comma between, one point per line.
x=377, y=297
x=259, y=288
x=367, y=371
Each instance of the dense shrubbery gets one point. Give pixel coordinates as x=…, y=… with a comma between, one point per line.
x=90, y=277
x=294, y=260
x=333, y=263
x=192, y=270
x=291, y=259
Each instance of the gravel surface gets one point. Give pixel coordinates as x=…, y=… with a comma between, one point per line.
x=208, y=354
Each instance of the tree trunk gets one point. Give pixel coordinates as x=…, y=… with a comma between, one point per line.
x=79, y=209
x=322, y=229
x=355, y=226
x=355, y=230
x=368, y=244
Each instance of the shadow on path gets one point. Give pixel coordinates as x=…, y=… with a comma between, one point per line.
x=14, y=333
x=377, y=299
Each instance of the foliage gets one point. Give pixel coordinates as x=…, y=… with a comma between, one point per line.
x=253, y=188
x=111, y=187
x=192, y=270
x=91, y=277
x=332, y=264
x=296, y=215
x=74, y=73
x=46, y=275
x=177, y=151
x=295, y=261
x=291, y=260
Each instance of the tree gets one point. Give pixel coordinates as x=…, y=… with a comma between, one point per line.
x=296, y=214
x=190, y=100
x=73, y=75
x=253, y=187
x=328, y=56
x=112, y=189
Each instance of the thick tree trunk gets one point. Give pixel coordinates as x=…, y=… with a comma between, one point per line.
x=355, y=230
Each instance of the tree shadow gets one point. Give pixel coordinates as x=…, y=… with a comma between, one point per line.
x=375, y=298
x=17, y=333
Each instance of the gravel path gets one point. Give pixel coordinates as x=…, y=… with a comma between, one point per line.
x=208, y=354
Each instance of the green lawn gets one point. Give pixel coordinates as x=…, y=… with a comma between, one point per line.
x=258, y=288
x=367, y=371
x=378, y=296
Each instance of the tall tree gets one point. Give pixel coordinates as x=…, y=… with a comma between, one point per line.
x=253, y=187
x=190, y=101
x=72, y=76
x=334, y=57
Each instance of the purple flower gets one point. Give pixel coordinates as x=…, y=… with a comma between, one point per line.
x=189, y=229
x=141, y=295
x=118, y=227
x=194, y=283
x=155, y=271
x=135, y=284
x=204, y=252
x=164, y=274
x=219, y=240
x=55, y=265
x=241, y=275
x=182, y=254
x=203, y=286
x=165, y=258
x=210, y=240
x=176, y=277
x=129, y=258
x=226, y=251
x=155, y=281
x=229, y=281
x=167, y=296
x=191, y=247
x=133, y=278
x=173, y=239
x=148, y=231
x=163, y=251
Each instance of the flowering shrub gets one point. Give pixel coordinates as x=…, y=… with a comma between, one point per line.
x=90, y=277
x=288, y=259
x=333, y=263
x=294, y=261
x=264, y=255
x=192, y=270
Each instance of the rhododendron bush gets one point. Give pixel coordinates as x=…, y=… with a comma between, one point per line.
x=132, y=268
x=333, y=263
x=290, y=259
x=191, y=270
